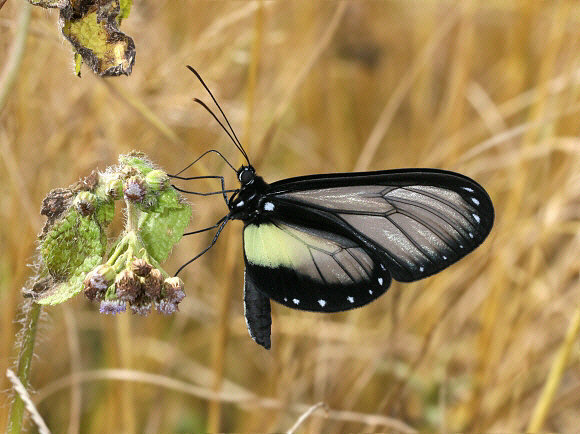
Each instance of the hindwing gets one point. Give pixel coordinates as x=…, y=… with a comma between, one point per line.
x=311, y=269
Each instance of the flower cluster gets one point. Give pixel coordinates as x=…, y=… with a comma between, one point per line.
x=73, y=244
x=142, y=287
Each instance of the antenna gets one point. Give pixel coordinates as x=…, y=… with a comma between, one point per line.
x=199, y=158
x=232, y=136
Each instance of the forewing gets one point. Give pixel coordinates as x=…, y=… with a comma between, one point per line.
x=423, y=220
x=308, y=269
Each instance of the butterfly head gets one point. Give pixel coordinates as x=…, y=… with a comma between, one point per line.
x=246, y=175
x=245, y=203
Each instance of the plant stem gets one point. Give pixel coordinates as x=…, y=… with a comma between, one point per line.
x=24, y=361
x=132, y=223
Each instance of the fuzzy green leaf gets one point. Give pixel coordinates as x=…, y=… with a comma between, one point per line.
x=105, y=213
x=164, y=227
x=70, y=248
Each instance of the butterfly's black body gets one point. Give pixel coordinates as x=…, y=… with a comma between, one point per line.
x=333, y=242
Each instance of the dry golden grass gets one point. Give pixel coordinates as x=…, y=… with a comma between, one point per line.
x=489, y=89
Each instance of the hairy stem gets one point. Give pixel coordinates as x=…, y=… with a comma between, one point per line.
x=24, y=361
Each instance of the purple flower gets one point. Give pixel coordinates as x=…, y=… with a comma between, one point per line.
x=113, y=307
x=167, y=307
x=134, y=189
x=141, y=309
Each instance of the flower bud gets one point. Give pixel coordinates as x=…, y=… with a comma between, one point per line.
x=128, y=286
x=134, y=189
x=114, y=188
x=85, y=202
x=173, y=294
x=141, y=267
x=173, y=289
x=153, y=283
x=98, y=280
x=157, y=180
x=128, y=171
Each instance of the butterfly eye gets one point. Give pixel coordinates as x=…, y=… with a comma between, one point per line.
x=246, y=176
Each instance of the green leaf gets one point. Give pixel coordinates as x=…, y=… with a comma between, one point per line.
x=163, y=227
x=72, y=247
x=105, y=213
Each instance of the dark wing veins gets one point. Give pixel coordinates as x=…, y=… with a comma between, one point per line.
x=333, y=255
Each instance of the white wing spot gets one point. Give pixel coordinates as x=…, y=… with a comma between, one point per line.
x=322, y=303
x=240, y=203
x=444, y=257
x=476, y=217
x=468, y=189
x=268, y=206
x=470, y=235
x=381, y=281
x=383, y=267
x=285, y=299
x=421, y=269
x=461, y=246
x=370, y=291
x=296, y=301
x=475, y=201
x=351, y=299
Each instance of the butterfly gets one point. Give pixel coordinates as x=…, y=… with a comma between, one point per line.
x=334, y=242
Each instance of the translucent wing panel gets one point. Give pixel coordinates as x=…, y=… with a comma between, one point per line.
x=368, y=198
x=421, y=228
x=310, y=269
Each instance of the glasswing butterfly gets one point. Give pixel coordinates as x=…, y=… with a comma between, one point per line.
x=333, y=242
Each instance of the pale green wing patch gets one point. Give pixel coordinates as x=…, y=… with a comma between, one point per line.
x=321, y=256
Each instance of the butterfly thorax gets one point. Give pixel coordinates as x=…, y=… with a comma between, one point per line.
x=246, y=203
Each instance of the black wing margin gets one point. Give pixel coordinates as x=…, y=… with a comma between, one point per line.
x=419, y=220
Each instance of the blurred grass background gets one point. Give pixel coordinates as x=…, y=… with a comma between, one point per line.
x=488, y=89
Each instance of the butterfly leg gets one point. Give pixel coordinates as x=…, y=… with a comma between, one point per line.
x=223, y=191
x=220, y=225
x=221, y=178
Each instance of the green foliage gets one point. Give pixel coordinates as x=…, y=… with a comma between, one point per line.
x=163, y=227
x=73, y=246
